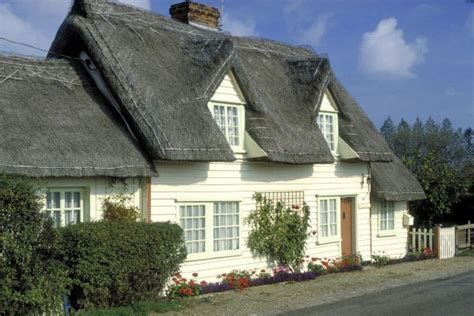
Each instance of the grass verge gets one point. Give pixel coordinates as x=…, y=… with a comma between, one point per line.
x=467, y=253
x=140, y=308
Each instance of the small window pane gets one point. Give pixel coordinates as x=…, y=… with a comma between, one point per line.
x=68, y=199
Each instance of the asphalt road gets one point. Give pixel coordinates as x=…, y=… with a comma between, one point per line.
x=452, y=296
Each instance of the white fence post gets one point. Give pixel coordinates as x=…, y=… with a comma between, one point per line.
x=421, y=238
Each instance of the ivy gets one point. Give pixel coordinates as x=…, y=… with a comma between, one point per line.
x=278, y=231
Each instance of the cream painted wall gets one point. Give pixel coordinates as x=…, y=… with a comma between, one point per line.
x=238, y=181
x=393, y=244
x=97, y=188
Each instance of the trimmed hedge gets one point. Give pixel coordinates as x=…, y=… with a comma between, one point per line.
x=32, y=279
x=117, y=263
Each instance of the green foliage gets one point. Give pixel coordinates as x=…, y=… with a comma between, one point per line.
x=140, y=309
x=443, y=161
x=278, y=231
x=117, y=263
x=381, y=260
x=317, y=268
x=118, y=207
x=32, y=280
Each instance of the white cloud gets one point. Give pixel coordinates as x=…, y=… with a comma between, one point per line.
x=238, y=27
x=144, y=4
x=315, y=32
x=470, y=23
x=385, y=50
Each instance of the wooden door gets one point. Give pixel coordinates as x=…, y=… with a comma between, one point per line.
x=346, y=226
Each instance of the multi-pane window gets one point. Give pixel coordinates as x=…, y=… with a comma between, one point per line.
x=192, y=219
x=64, y=206
x=210, y=227
x=228, y=120
x=387, y=215
x=327, y=124
x=328, y=210
x=226, y=226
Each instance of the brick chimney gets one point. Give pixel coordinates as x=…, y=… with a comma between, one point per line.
x=196, y=14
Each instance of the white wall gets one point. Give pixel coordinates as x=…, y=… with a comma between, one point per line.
x=97, y=188
x=393, y=244
x=240, y=180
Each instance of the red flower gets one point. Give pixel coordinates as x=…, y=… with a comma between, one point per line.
x=263, y=270
x=178, y=275
x=184, y=280
x=174, y=279
x=296, y=207
x=314, y=259
x=195, y=274
x=203, y=283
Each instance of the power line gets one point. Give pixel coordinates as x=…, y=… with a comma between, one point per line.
x=34, y=47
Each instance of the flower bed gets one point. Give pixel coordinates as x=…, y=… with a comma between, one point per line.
x=382, y=260
x=239, y=280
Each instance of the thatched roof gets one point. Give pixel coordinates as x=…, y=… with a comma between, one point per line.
x=163, y=73
x=54, y=122
x=394, y=182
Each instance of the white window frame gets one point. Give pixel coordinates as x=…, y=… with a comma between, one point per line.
x=335, y=129
x=62, y=203
x=209, y=230
x=334, y=238
x=388, y=206
x=241, y=119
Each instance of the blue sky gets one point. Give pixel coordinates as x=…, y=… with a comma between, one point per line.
x=400, y=58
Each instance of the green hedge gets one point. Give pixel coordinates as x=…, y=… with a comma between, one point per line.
x=117, y=263
x=32, y=279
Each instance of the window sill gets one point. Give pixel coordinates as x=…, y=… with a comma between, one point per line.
x=330, y=240
x=388, y=233
x=213, y=255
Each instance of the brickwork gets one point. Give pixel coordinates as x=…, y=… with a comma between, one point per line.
x=192, y=12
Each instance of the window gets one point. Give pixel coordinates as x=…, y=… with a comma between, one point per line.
x=210, y=227
x=65, y=207
x=387, y=215
x=228, y=119
x=327, y=123
x=328, y=218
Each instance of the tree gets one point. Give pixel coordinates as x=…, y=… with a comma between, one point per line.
x=442, y=160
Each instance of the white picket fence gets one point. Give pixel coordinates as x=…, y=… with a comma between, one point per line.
x=421, y=238
x=441, y=239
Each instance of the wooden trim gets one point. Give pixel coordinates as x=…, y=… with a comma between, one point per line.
x=148, y=199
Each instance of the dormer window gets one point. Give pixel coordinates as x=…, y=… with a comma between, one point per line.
x=228, y=119
x=227, y=106
x=327, y=122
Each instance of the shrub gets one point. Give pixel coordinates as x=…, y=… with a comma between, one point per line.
x=116, y=263
x=279, y=232
x=118, y=207
x=317, y=268
x=381, y=260
x=32, y=279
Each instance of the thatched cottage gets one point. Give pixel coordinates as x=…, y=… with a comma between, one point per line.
x=193, y=122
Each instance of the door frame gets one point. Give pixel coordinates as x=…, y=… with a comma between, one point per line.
x=353, y=224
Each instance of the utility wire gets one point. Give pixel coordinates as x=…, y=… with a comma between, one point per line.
x=37, y=48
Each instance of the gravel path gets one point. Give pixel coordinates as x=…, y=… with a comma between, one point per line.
x=280, y=298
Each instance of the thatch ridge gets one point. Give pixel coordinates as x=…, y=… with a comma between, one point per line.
x=54, y=122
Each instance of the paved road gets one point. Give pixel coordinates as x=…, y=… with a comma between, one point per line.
x=452, y=296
